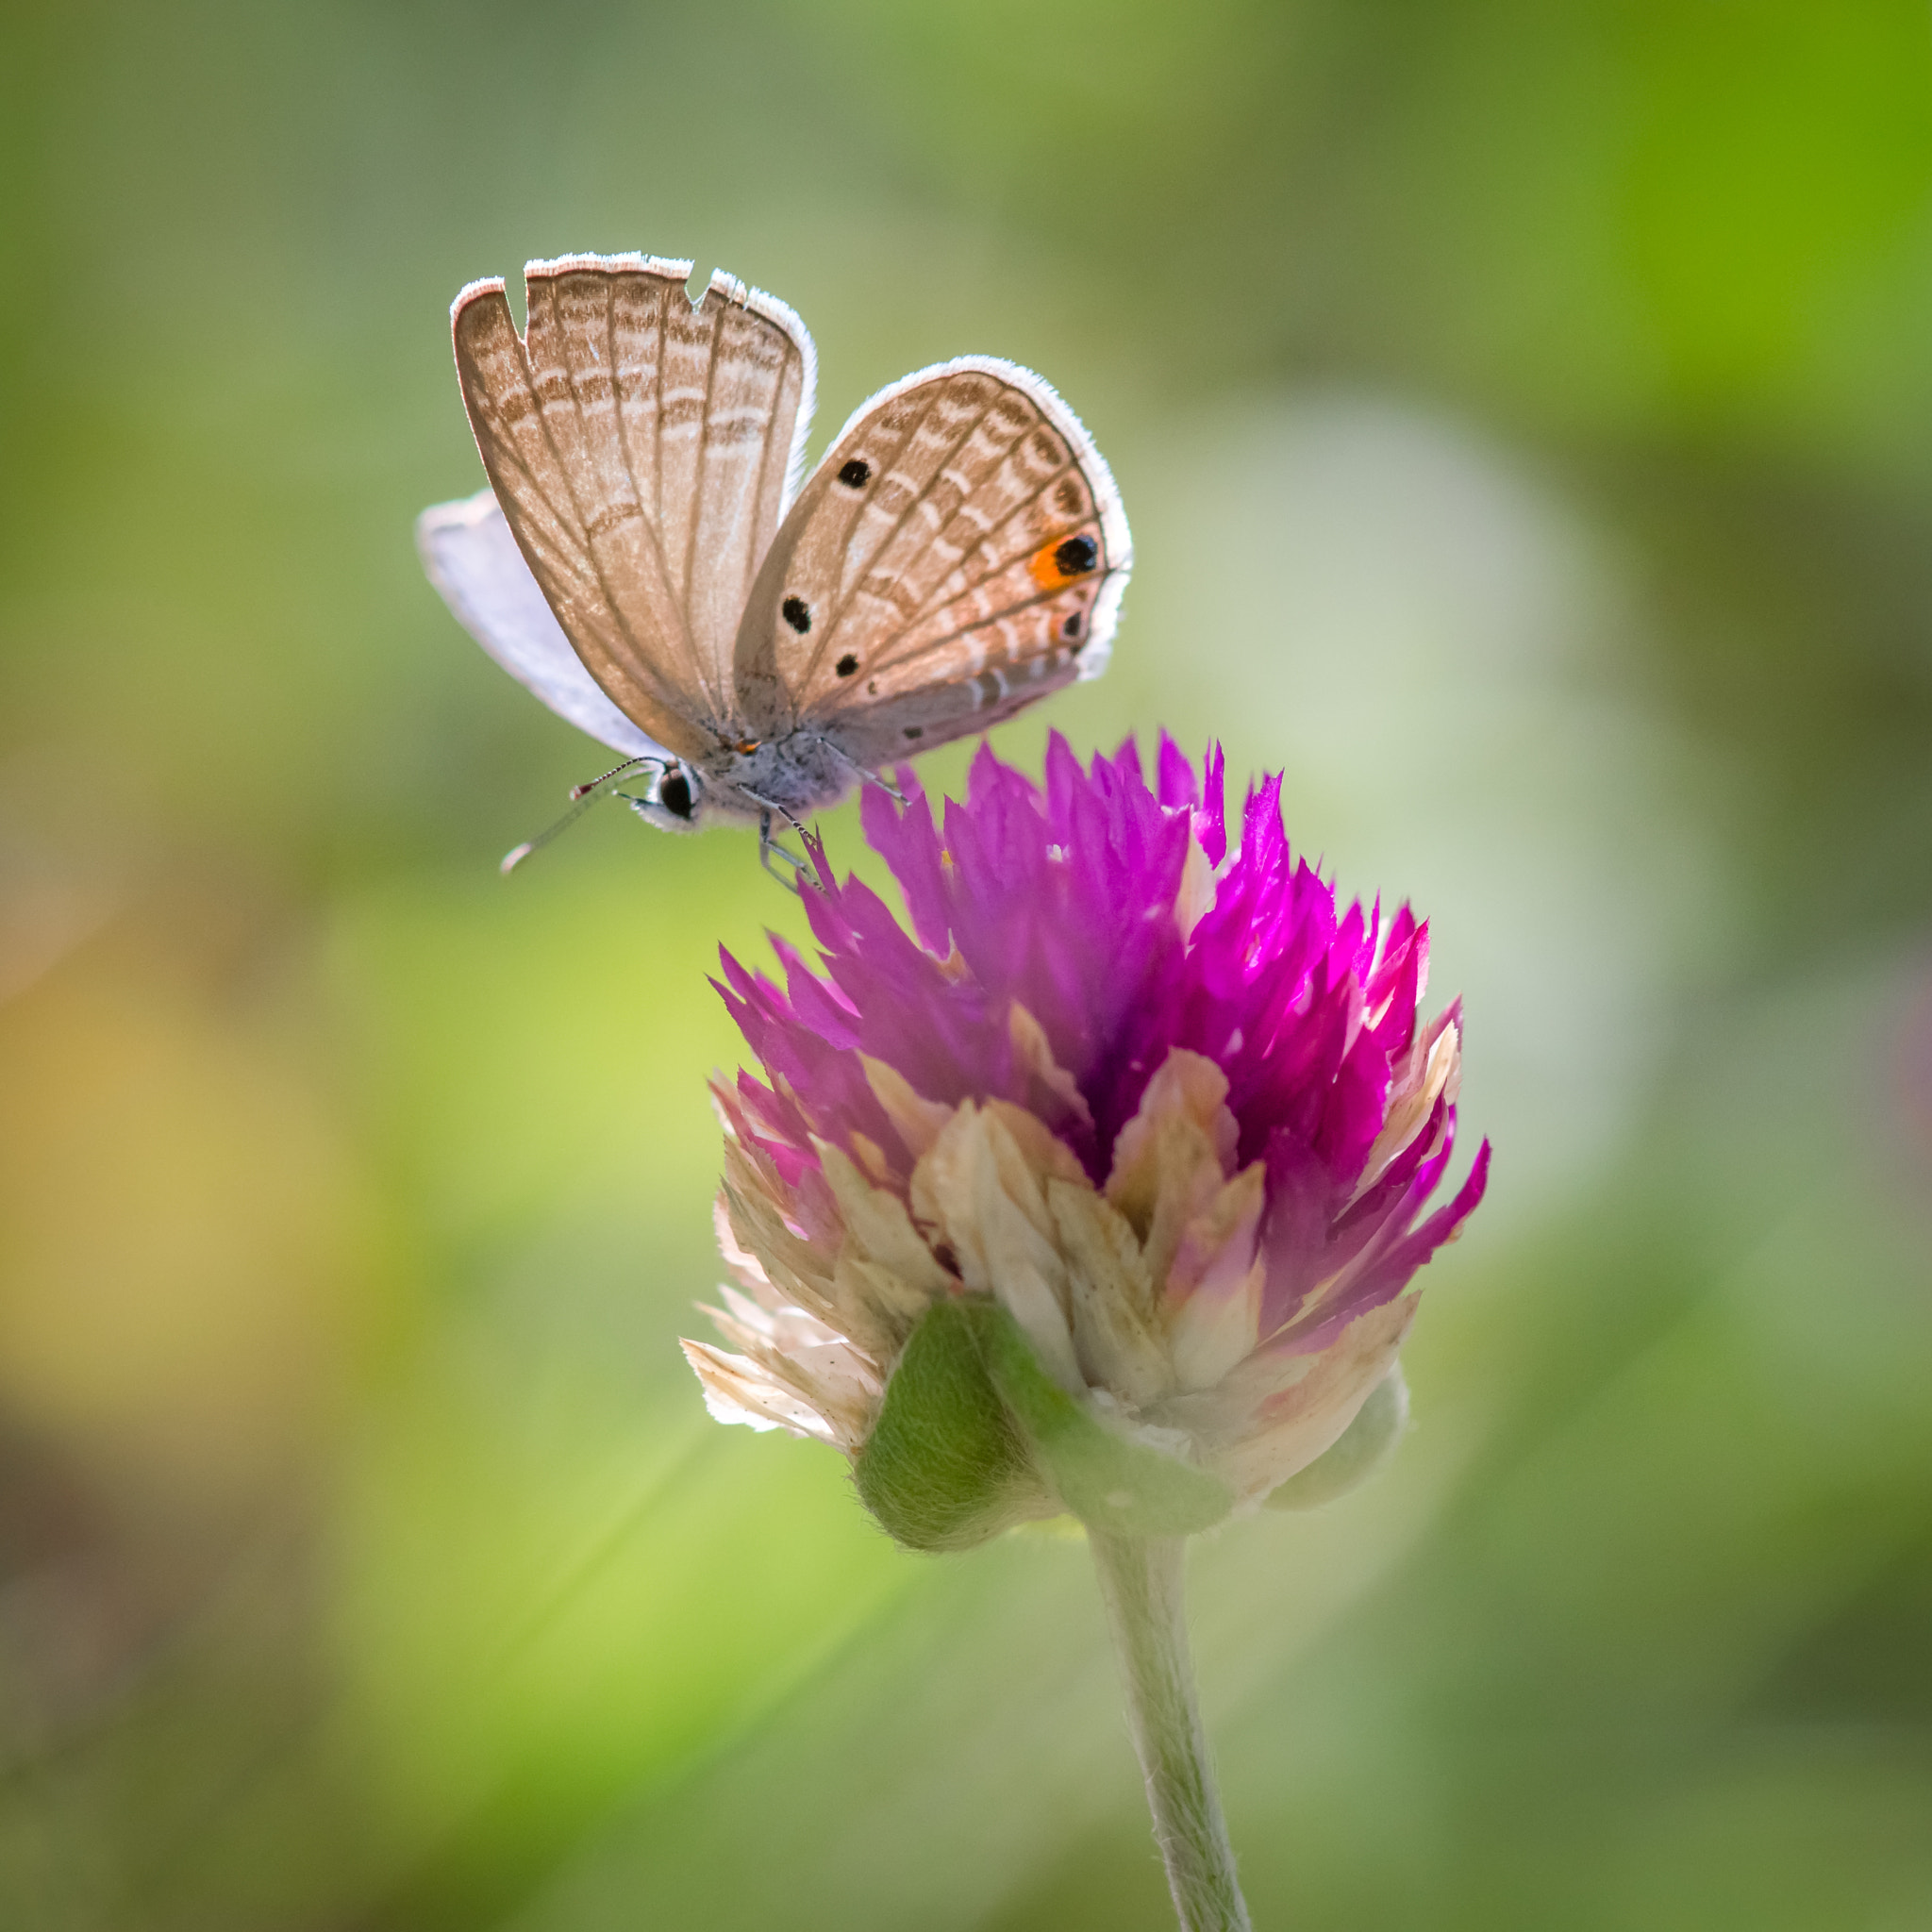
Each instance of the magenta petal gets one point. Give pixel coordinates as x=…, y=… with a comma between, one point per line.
x=909, y=842
x=1211, y=822
x=1179, y=787
x=1392, y=1271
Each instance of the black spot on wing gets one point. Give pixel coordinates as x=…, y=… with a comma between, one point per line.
x=855, y=473
x=797, y=613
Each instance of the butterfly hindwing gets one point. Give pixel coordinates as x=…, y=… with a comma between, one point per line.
x=958, y=553
x=474, y=564
x=643, y=448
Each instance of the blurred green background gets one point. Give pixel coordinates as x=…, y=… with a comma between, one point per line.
x=1525, y=416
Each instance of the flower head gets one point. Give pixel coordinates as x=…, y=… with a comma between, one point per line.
x=1101, y=1186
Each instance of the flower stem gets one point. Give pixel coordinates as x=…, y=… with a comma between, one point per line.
x=1141, y=1581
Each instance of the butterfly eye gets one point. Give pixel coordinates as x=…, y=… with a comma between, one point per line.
x=846, y=665
x=797, y=613
x=855, y=475
x=673, y=794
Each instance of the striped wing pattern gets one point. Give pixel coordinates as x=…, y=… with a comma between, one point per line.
x=474, y=564
x=959, y=554
x=643, y=450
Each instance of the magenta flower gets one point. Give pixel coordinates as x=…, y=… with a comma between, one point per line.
x=1156, y=1105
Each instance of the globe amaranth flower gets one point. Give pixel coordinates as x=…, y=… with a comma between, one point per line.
x=1101, y=1188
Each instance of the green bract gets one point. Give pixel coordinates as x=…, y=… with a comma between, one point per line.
x=975, y=1436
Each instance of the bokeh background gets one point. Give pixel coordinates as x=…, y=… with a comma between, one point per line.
x=1526, y=417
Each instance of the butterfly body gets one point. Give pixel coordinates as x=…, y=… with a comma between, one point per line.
x=794, y=775
x=648, y=561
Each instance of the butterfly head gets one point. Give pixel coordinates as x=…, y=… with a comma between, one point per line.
x=673, y=800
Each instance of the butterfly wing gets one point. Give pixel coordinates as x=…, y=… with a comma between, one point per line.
x=959, y=553
x=474, y=564
x=643, y=450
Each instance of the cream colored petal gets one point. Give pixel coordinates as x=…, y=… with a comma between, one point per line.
x=745, y=1322
x=834, y=1380
x=1216, y=1247
x=744, y=1311
x=884, y=1276
x=1196, y=898
x=1213, y=1293
x=1110, y=1297
x=872, y=1160
x=917, y=1120
x=878, y=1228
x=1434, y=1068
x=1187, y=1084
x=1173, y=1154
x=1190, y=1190
x=1049, y=1078
x=752, y=1178
x=753, y=1167
x=1298, y=1419
x=939, y=1180
x=745, y=1268
x=741, y=1261
x=1214, y=1329
x=977, y=1190
x=797, y=1272
x=737, y=1389
x=893, y=1304
x=839, y=1383
x=759, y=1228
x=1047, y=1156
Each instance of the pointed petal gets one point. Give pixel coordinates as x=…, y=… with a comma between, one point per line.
x=1111, y=1299
x=977, y=1189
x=737, y=1389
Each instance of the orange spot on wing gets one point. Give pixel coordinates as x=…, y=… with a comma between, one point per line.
x=1044, y=568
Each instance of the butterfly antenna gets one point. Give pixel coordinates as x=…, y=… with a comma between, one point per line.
x=582, y=798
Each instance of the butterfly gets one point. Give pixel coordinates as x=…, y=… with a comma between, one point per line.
x=652, y=561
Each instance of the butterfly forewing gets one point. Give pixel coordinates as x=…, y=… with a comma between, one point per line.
x=959, y=554
x=643, y=448
x=733, y=384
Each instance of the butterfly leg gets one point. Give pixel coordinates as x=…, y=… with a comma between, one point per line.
x=866, y=773
x=769, y=849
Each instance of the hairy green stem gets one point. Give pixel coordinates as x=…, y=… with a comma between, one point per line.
x=1141, y=1581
